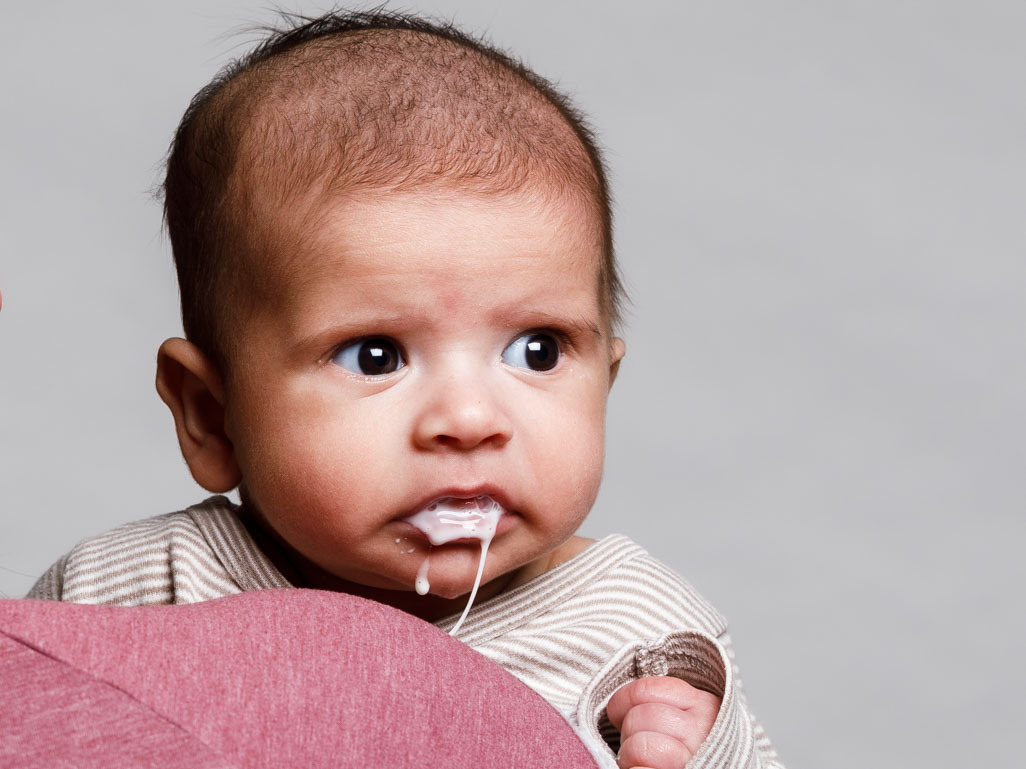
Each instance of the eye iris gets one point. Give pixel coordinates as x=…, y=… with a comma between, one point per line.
x=541, y=352
x=378, y=356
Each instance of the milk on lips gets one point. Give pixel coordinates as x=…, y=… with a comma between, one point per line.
x=450, y=518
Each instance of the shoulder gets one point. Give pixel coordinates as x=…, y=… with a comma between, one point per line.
x=161, y=560
x=650, y=591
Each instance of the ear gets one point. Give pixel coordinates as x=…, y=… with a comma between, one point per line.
x=191, y=387
x=617, y=349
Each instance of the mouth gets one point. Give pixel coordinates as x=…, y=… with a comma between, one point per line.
x=448, y=519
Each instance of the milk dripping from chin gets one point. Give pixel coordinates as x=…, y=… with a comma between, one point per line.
x=449, y=519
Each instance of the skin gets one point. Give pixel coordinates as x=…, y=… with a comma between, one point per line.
x=662, y=721
x=330, y=460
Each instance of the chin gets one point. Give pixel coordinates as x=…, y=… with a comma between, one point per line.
x=450, y=595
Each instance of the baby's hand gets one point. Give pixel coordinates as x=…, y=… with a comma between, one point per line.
x=662, y=721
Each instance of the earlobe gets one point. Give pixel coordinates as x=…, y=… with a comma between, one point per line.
x=617, y=349
x=193, y=390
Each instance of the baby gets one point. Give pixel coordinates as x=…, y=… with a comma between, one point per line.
x=394, y=249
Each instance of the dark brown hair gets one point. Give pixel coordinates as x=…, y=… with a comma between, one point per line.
x=350, y=101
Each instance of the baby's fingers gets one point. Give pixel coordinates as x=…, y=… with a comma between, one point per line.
x=652, y=750
x=665, y=707
x=655, y=689
x=684, y=726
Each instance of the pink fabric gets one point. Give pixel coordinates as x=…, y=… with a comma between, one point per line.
x=265, y=679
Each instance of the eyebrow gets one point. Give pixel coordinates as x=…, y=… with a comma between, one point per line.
x=323, y=337
x=577, y=324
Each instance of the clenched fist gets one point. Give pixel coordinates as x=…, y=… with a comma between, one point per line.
x=662, y=721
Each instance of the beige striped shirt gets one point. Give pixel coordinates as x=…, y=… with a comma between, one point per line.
x=574, y=634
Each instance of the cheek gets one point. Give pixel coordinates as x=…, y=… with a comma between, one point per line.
x=306, y=450
x=568, y=448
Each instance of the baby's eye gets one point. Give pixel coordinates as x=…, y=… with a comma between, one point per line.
x=533, y=350
x=374, y=356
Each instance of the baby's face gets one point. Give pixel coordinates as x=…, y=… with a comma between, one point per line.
x=426, y=346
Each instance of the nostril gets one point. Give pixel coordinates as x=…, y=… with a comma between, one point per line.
x=449, y=441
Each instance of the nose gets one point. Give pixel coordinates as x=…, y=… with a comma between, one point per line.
x=463, y=412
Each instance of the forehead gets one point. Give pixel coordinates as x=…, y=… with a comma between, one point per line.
x=439, y=244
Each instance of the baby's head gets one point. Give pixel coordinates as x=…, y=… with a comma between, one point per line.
x=395, y=257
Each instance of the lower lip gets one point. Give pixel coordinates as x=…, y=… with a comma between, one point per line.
x=412, y=532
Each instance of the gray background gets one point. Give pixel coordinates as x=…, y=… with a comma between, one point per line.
x=820, y=419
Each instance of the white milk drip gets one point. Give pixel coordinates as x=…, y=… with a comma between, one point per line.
x=450, y=518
